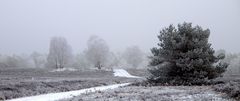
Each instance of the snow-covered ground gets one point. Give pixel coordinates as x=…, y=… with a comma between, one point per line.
x=67, y=95
x=155, y=93
x=123, y=73
x=133, y=93
x=64, y=69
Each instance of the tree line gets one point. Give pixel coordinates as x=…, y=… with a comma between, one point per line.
x=97, y=55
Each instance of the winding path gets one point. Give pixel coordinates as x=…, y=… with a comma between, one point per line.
x=71, y=94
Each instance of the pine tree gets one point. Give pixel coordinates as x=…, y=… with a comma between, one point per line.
x=185, y=56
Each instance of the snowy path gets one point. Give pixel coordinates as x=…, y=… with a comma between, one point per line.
x=66, y=95
x=71, y=94
x=123, y=73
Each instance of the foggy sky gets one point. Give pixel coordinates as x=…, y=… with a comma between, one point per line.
x=28, y=25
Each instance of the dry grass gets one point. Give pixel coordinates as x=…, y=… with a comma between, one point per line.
x=156, y=93
x=16, y=83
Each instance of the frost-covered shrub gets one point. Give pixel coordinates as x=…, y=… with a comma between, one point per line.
x=185, y=56
x=234, y=63
x=231, y=88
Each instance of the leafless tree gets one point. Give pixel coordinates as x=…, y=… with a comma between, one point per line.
x=60, y=52
x=80, y=61
x=97, y=51
x=133, y=56
x=114, y=60
x=38, y=59
x=15, y=61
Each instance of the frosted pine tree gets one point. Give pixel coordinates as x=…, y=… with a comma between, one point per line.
x=184, y=56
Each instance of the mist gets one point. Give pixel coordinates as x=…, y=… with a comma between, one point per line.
x=28, y=25
x=118, y=50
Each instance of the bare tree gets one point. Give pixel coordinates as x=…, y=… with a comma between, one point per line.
x=38, y=59
x=10, y=61
x=15, y=61
x=60, y=52
x=114, y=60
x=80, y=61
x=133, y=56
x=97, y=51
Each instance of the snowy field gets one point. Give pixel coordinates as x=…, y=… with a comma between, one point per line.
x=161, y=93
x=15, y=83
x=70, y=94
x=95, y=85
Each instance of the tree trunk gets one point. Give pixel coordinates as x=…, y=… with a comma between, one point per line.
x=99, y=65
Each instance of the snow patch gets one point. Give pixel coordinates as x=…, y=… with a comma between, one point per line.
x=123, y=73
x=64, y=69
x=67, y=95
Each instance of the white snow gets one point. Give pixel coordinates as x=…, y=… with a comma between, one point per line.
x=67, y=95
x=64, y=69
x=123, y=73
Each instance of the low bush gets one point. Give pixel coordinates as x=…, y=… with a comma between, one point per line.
x=231, y=88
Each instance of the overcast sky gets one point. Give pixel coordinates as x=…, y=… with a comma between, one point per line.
x=28, y=25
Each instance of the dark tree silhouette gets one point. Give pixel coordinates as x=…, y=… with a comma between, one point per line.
x=185, y=56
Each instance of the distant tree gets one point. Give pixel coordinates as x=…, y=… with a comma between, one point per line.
x=38, y=59
x=114, y=60
x=234, y=66
x=230, y=57
x=97, y=51
x=15, y=61
x=234, y=63
x=2, y=61
x=12, y=61
x=60, y=53
x=184, y=56
x=80, y=61
x=133, y=56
